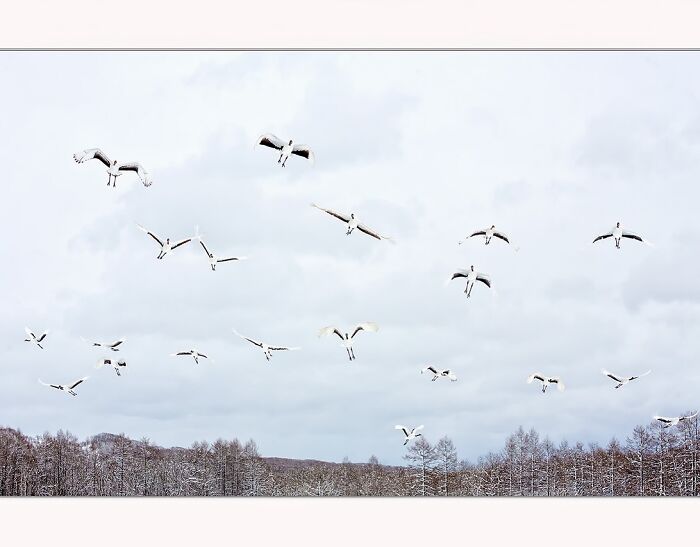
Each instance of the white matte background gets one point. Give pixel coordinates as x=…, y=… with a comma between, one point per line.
x=349, y=24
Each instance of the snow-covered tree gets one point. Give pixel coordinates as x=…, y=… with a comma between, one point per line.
x=421, y=460
x=446, y=465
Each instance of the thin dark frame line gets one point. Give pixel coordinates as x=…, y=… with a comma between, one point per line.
x=351, y=49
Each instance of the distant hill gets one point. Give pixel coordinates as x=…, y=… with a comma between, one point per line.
x=106, y=441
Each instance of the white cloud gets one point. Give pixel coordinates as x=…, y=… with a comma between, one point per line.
x=553, y=148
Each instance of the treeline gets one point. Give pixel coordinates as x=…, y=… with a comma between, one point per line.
x=653, y=461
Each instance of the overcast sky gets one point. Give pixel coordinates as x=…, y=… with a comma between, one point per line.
x=553, y=148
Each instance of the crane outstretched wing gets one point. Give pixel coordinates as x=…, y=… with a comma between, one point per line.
x=325, y=331
x=402, y=428
x=611, y=375
x=271, y=141
x=555, y=380
x=154, y=236
x=459, y=273
x=632, y=235
x=139, y=170
x=255, y=342
x=604, y=236
x=484, y=279
x=282, y=348
x=640, y=375
x=663, y=419
x=92, y=153
x=501, y=235
x=180, y=243
x=369, y=327
x=117, y=343
x=374, y=234
x=304, y=151
x=77, y=383
x=340, y=216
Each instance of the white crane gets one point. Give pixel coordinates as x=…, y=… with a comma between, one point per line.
x=267, y=350
x=286, y=149
x=487, y=234
x=472, y=277
x=546, y=380
x=347, y=338
x=617, y=233
x=214, y=260
x=622, y=380
x=437, y=373
x=193, y=353
x=353, y=223
x=114, y=169
x=166, y=247
x=114, y=346
x=68, y=388
x=111, y=363
x=33, y=337
x=409, y=433
x=670, y=422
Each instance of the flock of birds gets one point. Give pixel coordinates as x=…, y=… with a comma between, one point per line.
x=347, y=338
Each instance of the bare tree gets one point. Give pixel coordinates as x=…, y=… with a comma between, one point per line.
x=446, y=459
x=421, y=461
x=654, y=461
x=639, y=446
